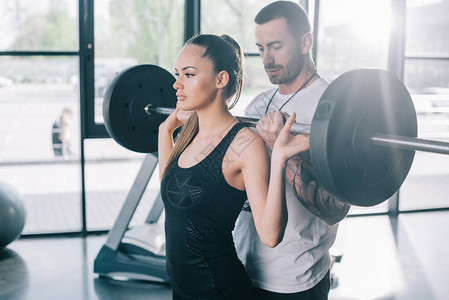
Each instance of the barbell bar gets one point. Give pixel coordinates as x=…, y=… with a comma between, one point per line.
x=363, y=135
x=379, y=139
x=297, y=128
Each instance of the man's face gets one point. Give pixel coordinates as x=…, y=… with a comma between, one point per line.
x=280, y=52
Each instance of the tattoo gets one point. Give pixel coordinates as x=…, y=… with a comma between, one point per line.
x=310, y=193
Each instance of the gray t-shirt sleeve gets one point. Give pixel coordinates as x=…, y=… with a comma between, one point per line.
x=257, y=107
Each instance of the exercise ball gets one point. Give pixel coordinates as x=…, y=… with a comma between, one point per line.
x=12, y=214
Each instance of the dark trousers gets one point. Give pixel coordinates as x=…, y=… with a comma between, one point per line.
x=246, y=292
x=318, y=292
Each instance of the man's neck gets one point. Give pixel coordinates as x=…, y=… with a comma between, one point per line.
x=299, y=81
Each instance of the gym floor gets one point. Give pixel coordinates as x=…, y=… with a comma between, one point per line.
x=383, y=258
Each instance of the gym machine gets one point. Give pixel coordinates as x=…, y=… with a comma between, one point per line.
x=137, y=253
x=363, y=137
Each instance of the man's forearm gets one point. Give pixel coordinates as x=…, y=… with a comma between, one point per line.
x=310, y=193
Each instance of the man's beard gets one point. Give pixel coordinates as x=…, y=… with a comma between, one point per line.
x=288, y=72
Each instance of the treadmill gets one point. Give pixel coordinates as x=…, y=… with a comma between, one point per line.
x=137, y=253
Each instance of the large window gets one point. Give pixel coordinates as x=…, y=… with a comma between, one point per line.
x=46, y=25
x=352, y=34
x=126, y=33
x=426, y=74
x=39, y=78
x=134, y=32
x=41, y=52
x=46, y=67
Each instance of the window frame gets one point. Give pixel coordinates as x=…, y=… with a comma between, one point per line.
x=192, y=26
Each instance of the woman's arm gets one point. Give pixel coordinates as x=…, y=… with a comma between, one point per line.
x=267, y=197
x=274, y=218
x=256, y=176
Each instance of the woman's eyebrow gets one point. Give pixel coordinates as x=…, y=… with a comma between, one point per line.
x=185, y=68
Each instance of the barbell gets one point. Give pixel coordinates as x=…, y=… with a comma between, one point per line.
x=362, y=137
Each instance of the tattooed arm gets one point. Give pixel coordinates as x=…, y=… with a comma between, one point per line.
x=310, y=193
x=300, y=175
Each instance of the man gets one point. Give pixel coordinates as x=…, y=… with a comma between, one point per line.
x=60, y=135
x=298, y=268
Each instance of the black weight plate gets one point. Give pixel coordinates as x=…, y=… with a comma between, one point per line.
x=355, y=106
x=124, y=102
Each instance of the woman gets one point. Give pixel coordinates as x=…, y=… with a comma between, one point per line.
x=214, y=166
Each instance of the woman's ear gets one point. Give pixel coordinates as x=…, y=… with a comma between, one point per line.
x=222, y=79
x=307, y=43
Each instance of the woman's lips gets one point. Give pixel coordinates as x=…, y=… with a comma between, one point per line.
x=180, y=97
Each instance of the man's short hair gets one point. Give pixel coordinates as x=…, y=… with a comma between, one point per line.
x=295, y=15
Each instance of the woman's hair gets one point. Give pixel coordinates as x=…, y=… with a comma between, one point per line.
x=226, y=55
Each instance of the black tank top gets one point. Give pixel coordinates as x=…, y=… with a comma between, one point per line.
x=200, y=212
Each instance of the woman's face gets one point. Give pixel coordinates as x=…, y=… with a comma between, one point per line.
x=196, y=79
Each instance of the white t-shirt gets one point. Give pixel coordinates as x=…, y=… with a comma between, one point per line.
x=302, y=259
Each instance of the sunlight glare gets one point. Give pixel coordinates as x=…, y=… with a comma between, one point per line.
x=370, y=20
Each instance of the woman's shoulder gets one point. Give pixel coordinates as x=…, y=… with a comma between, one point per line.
x=247, y=142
